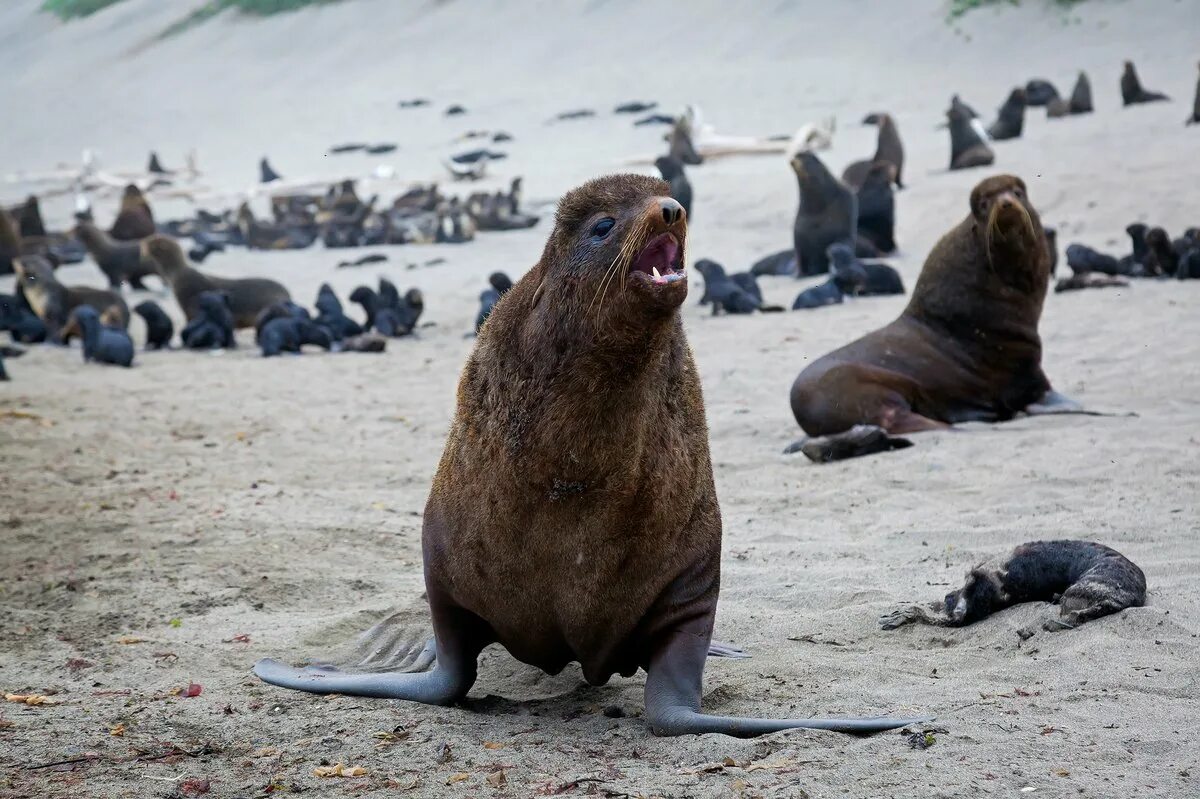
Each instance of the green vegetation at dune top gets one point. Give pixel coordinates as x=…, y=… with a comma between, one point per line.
x=960, y=7
x=69, y=9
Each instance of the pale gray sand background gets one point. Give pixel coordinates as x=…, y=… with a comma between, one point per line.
x=139, y=504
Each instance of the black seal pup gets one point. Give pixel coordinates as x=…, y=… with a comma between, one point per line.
x=672, y=171
x=877, y=207
x=1132, y=92
x=888, y=149
x=828, y=214
x=159, y=327
x=730, y=294
x=1010, y=120
x=1087, y=580
x=845, y=280
x=331, y=316
x=560, y=525
x=500, y=284
x=265, y=173
x=22, y=324
x=967, y=147
x=877, y=279
x=102, y=343
x=408, y=309
x=211, y=327
x=290, y=333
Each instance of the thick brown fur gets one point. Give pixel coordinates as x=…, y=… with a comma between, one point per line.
x=134, y=221
x=120, y=261
x=965, y=349
x=53, y=302
x=828, y=214
x=248, y=297
x=574, y=508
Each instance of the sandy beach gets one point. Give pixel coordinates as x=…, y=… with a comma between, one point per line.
x=173, y=523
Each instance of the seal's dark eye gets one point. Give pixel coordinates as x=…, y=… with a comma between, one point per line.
x=603, y=227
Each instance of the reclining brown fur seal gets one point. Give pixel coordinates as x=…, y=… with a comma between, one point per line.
x=573, y=516
x=247, y=296
x=53, y=302
x=1086, y=579
x=965, y=349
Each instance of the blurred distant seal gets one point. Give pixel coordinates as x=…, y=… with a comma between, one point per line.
x=1132, y=92
x=1040, y=92
x=877, y=206
x=102, y=341
x=561, y=525
x=671, y=170
x=828, y=214
x=247, y=296
x=134, y=221
x=159, y=327
x=53, y=302
x=1195, y=117
x=211, y=327
x=1086, y=579
x=120, y=261
x=888, y=149
x=966, y=348
x=1010, y=120
x=967, y=147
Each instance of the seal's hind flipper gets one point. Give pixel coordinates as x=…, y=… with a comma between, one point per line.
x=1054, y=403
x=859, y=440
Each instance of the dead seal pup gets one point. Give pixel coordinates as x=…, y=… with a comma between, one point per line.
x=966, y=348
x=1085, y=579
x=607, y=520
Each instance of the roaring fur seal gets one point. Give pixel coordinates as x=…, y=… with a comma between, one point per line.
x=159, y=327
x=671, y=170
x=967, y=147
x=1195, y=117
x=1010, y=119
x=102, y=343
x=134, y=221
x=120, y=261
x=966, y=348
x=888, y=149
x=1086, y=579
x=607, y=520
x=247, y=296
x=828, y=214
x=1132, y=92
x=53, y=302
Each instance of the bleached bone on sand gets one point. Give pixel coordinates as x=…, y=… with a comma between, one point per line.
x=709, y=143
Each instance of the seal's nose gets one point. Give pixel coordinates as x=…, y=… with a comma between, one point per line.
x=672, y=211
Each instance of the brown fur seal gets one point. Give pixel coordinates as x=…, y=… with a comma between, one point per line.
x=10, y=243
x=53, y=302
x=247, y=296
x=134, y=221
x=573, y=516
x=1087, y=580
x=1195, y=117
x=118, y=260
x=888, y=149
x=965, y=349
x=967, y=147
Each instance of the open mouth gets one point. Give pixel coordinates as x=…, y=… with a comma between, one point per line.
x=660, y=260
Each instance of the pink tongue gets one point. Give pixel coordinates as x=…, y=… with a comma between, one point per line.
x=660, y=255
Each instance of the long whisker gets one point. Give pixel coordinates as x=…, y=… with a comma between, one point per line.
x=628, y=247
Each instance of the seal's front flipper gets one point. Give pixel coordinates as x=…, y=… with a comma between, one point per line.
x=859, y=440
x=720, y=649
x=1054, y=403
x=673, y=685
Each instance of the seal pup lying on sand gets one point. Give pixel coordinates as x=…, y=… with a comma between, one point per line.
x=1086, y=579
x=102, y=343
x=966, y=348
x=560, y=524
x=211, y=328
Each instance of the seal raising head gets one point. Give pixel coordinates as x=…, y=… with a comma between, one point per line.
x=573, y=516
